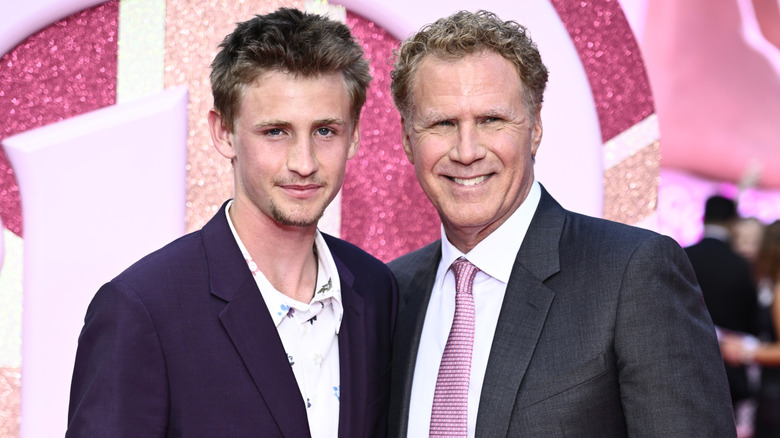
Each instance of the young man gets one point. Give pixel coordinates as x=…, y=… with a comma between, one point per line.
x=527, y=320
x=258, y=324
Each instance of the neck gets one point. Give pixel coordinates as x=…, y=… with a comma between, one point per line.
x=284, y=254
x=465, y=239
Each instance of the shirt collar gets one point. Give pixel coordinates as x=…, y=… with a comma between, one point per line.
x=716, y=232
x=495, y=255
x=328, y=284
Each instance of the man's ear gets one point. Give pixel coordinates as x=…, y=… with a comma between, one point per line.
x=221, y=135
x=536, y=134
x=406, y=141
x=354, y=141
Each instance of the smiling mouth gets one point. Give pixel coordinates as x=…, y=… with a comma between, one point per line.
x=303, y=187
x=470, y=181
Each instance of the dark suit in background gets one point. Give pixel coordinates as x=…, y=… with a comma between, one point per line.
x=726, y=281
x=186, y=339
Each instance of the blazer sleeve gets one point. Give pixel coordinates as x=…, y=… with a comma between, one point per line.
x=119, y=385
x=671, y=375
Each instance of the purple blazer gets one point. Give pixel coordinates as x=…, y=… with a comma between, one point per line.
x=182, y=344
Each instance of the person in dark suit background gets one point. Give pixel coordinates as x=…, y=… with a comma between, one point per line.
x=727, y=283
x=257, y=324
x=765, y=351
x=581, y=326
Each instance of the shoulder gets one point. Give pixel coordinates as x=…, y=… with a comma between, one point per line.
x=175, y=255
x=579, y=231
x=351, y=255
x=359, y=268
x=405, y=266
x=603, y=229
x=589, y=241
x=167, y=268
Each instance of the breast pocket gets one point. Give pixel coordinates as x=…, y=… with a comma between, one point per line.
x=570, y=379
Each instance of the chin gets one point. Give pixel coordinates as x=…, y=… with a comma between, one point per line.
x=297, y=219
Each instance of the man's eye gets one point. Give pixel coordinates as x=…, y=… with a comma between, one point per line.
x=445, y=123
x=324, y=131
x=274, y=131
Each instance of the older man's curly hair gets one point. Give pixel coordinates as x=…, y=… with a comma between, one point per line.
x=465, y=33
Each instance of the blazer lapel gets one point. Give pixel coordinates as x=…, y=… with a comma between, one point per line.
x=247, y=322
x=521, y=319
x=352, y=361
x=412, y=306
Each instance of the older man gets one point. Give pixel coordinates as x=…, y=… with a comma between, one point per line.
x=525, y=319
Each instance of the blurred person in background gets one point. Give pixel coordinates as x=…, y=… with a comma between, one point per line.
x=726, y=282
x=745, y=350
x=747, y=234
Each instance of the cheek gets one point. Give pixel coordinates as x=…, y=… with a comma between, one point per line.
x=428, y=153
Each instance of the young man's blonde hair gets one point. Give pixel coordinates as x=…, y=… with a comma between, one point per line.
x=289, y=41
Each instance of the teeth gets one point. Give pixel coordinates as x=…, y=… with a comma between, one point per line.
x=471, y=181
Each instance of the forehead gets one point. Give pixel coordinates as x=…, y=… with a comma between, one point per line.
x=485, y=75
x=285, y=93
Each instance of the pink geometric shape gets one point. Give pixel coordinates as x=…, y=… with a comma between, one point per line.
x=66, y=69
x=99, y=191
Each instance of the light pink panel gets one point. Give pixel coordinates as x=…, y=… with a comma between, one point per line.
x=717, y=90
x=19, y=19
x=99, y=191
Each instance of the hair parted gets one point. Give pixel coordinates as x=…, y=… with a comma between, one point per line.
x=290, y=41
x=465, y=33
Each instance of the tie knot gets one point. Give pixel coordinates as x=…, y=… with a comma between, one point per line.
x=464, y=274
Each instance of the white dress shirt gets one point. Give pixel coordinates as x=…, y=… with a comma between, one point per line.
x=309, y=333
x=495, y=257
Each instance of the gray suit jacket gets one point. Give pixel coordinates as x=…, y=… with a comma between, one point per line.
x=603, y=332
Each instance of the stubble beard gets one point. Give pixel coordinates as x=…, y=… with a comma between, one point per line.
x=283, y=218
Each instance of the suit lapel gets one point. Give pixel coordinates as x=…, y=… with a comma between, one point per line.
x=352, y=361
x=413, y=304
x=247, y=322
x=521, y=319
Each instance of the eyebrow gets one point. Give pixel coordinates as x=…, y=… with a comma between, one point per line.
x=434, y=116
x=328, y=121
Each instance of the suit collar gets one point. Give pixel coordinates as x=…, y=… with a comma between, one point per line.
x=415, y=293
x=249, y=325
x=522, y=317
x=539, y=253
x=352, y=361
x=247, y=322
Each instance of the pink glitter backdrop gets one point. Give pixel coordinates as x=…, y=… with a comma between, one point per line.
x=384, y=210
x=70, y=68
x=611, y=58
x=67, y=69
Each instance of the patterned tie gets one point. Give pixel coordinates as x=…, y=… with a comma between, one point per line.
x=449, y=416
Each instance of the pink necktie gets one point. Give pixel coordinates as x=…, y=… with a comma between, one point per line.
x=449, y=416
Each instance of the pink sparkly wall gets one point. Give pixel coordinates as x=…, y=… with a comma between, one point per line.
x=64, y=70
x=70, y=68
x=384, y=210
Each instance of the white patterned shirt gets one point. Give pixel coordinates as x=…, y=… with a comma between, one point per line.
x=309, y=333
